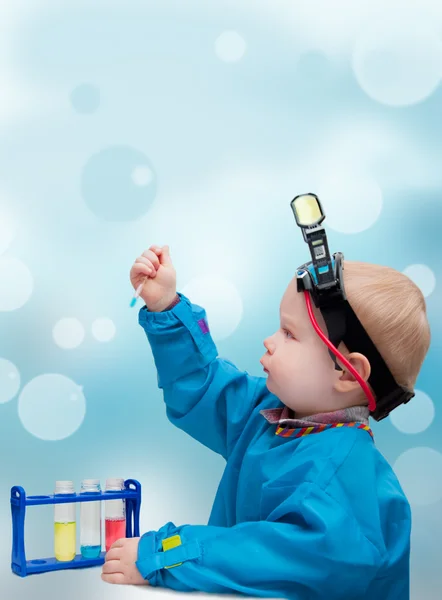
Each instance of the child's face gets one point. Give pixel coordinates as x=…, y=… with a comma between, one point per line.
x=301, y=372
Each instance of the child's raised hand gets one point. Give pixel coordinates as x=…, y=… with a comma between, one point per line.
x=155, y=268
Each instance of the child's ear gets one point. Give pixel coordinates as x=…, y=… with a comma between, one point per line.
x=345, y=381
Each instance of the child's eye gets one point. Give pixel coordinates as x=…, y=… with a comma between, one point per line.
x=288, y=334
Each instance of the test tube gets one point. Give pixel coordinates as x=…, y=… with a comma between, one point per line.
x=115, y=512
x=64, y=524
x=90, y=520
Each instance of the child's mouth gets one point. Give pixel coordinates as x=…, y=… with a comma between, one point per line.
x=265, y=370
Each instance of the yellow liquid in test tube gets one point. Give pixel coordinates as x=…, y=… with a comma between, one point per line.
x=64, y=541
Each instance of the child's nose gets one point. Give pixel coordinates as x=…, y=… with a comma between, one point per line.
x=269, y=345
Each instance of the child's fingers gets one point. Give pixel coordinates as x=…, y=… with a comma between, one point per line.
x=113, y=554
x=150, y=255
x=147, y=262
x=156, y=249
x=117, y=578
x=142, y=269
x=112, y=566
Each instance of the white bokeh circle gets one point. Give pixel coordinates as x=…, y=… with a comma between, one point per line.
x=16, y=284
x=419, y=471
x=51, y=406
x=353, y=203
x=7, y=232
x=221, y=301
x=415, y=416
x=68, y=333
x=397, y=64
x=103, y=329
x=142, y=175
x=9, y=380
x=230, y=46
x=422, y=276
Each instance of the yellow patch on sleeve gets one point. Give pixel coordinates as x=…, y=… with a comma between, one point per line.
x=168, y=544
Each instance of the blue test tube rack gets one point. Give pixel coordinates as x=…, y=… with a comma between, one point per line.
x=19, y=501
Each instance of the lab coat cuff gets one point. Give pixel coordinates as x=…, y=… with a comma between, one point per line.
x=151, y=320
x=153, y=555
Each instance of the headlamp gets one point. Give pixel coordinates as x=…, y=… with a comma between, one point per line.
x=322, y=279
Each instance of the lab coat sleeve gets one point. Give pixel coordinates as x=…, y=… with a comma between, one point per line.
x=313, y=549
x=206, y=396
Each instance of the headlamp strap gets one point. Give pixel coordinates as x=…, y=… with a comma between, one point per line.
x=335, y=320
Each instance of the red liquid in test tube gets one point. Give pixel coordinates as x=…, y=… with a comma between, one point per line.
x=115, y=530
x=115, y=513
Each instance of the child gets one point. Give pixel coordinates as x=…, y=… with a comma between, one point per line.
x=318, y=515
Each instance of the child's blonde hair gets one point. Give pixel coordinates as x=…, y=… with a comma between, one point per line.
x=393, y=312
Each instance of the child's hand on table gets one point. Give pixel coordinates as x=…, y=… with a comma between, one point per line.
x=120, y=563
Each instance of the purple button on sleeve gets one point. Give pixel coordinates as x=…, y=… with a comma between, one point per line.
x=203, y=326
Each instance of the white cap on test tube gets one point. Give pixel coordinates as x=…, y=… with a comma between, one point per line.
x=114, y=483
x=64, y=487
x=90, y=485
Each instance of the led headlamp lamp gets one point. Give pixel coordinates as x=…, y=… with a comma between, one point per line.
x=322, y=279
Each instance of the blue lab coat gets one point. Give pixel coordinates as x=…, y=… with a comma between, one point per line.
x=320, y=516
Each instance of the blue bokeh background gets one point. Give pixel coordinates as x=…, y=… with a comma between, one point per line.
x=193, y=124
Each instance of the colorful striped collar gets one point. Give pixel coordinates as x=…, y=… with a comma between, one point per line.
x=288, y=424
x=302, y=431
